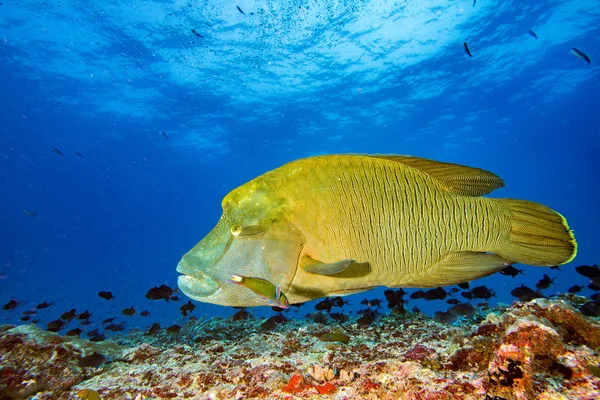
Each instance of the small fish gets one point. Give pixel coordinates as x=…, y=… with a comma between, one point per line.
x=324, y=305
x=29, y=213
x=445, y=317
x=339, y=302
x=263, y=288
x=589, y=271
x=11, y=305
x=30, y=312
x=174, y=329
x=154, y=329
x=240, y=315
x=482, y=292
x=187, y=308
x=55, y=326
x=163, y=132
x=106, y=295
x=93, y=360
x=544, y=283
x=474, y=2
x=55, y=150
x=145, y=313
x=271, y=323
x=419, y=294
x=594, y=370
x=98, y=338
x=161, y=292
x=590, y=309
x=452, y=301
x=74, y=332
x=108, y=320
x=201, y=37
x=68, y=316
x=128, y=311
x=78, y=154
x=462, y=309
x=240, y=10
x=467, y=295
x=467, y=50
x=464, y=285
x=532, y=33
x=84, y=315
x=337, y=336
x=88, y=394
x=115, y=327
x=43, y=305
x=435, y=294
x=25, y=318
x=511, y=271
x=174, y=298
x=575, y=289
x=581, y=54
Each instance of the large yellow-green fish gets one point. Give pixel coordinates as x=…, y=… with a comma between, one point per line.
x=341, y=224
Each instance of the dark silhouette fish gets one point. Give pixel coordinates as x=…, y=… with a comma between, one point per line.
x=154, y=329
x=29, y=213
x=68, y=316
x=162, y=292
x=544, y=283
x=55, y=326
x=128, y=311
x=511, y=271
x=187, y=308
x=43, y=305
x=11, y=305
x=467, y=50
x=106, y=295
x=55, y=150
x=240, y=10
x=93, y=360
x=532, y=33
x=580, y=54
x=78, y=154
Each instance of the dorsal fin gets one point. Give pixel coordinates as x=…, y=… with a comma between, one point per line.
x=454, y=178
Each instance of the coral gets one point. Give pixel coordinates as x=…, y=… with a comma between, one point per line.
x=543, y=349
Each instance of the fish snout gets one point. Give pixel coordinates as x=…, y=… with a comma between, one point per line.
x=195, y=284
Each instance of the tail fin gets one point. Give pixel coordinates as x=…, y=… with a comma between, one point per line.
x=538, y=235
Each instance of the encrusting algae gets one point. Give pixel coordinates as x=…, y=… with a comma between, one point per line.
x=543, y=349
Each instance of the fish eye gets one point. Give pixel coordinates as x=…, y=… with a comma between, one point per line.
x=236, y=230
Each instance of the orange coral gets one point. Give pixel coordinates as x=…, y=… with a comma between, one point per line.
x=327, y=388
x=295, y=385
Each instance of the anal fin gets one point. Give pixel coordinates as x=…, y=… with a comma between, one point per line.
x=465, y=266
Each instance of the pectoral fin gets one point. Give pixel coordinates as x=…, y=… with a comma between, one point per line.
x=465, y=266
x=313, y=266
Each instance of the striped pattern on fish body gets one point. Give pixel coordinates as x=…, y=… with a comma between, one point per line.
x=340, y=224
x=397, y=218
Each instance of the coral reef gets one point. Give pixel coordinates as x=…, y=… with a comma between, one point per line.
x=543, y=349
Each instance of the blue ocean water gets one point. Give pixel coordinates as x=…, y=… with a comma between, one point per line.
x=171, y=104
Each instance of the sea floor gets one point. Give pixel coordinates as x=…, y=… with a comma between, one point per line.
x=543, y=349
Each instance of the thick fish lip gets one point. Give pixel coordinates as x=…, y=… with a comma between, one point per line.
x=197, y=285
x=197, y=288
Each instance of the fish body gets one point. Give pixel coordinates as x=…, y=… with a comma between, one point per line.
x=55, y=150
x=532, y=33
x=467, y=50
x=29, y=213
x=240, y=10
x=263, y=288
x=581, y=54
x=342, y=224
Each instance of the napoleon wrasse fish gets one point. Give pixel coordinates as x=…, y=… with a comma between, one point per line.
x=341, y=224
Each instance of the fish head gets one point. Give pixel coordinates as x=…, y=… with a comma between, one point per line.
x=252, y=238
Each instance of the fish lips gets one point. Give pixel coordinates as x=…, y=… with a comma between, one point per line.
x=198, y=286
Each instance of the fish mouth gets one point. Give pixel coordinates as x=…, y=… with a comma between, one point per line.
x=196, y=286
